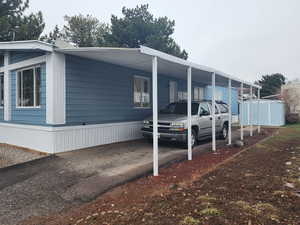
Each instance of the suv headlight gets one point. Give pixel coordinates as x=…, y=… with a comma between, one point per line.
x=146, y=123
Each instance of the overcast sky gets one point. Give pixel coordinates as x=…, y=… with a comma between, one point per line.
x=243, y=38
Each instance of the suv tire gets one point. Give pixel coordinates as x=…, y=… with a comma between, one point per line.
x=194, y=139
x=224, y=132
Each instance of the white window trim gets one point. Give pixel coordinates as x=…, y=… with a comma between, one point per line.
x=182, y=95
x=34, y=88
x=144, y=78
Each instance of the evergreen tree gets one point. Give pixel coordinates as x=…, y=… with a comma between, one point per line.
x=14, y=25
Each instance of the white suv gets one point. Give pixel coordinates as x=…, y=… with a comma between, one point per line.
x=172, y=122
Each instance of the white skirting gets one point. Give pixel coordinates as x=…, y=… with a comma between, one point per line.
x=61, y=139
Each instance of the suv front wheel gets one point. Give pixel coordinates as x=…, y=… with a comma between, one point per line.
x=224, y=132
x=194, y=139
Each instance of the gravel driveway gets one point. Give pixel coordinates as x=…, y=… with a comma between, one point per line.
x=56, y=182
x=10, y=155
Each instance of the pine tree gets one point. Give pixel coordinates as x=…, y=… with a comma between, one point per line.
x=15, y=26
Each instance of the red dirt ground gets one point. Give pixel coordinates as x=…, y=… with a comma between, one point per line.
x=234, y=186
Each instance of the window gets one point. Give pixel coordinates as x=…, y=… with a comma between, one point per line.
x=216, y=108
x=198, y=93
x=223, y=108
x=204, y=109
x=180, y=108
x=219, y=95
x=173, y=91
x=28, y=87
x=182, y=95
x=1, y=89
x=141, y=92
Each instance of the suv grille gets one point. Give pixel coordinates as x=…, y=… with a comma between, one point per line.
x=161, y=123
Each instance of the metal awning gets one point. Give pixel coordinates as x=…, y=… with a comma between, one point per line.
x=26, y=46
x=141, y=59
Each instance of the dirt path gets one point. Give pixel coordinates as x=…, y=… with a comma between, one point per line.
x=256, y=187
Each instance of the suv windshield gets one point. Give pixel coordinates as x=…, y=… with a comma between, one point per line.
x=180, y=108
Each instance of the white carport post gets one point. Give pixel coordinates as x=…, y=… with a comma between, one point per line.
x=229, y=112
x=213, y=110
x=7, y=88
x=258, y=109
x=242, y=112
x=189, y=110
x=155, y=116
x=251, y=111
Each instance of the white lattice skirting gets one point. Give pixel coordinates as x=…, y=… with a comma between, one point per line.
x=62, y=139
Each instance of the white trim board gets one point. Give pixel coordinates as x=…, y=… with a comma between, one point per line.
x=26, y=63
x=61, y=139
x=26, y=45
x=55, y=88
x=7, y=88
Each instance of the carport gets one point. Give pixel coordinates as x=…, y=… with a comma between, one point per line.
x=150, y=60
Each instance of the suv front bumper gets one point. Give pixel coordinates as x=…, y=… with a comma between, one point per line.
x=179, y=136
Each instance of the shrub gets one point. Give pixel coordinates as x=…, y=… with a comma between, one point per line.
x=210, y=212
x=292, y=118
x=190, y=221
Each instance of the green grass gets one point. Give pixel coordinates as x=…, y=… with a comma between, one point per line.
x=297, y=126
x=289, y=132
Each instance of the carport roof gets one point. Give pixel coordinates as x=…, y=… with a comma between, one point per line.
x=141, y=59
x=136, y=58
x=30, y=45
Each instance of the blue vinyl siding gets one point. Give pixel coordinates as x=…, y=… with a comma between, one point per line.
x=1, y=107
x=98, y=92
x=1, y=114
x=18, y=56
x=36, y=116
x=224, y=91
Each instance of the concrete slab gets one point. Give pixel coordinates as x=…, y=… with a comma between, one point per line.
x=57, y=182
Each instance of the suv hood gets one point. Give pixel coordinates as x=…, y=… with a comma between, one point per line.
x=169, y=117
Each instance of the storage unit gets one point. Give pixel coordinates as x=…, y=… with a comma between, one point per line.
x=264, y=112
